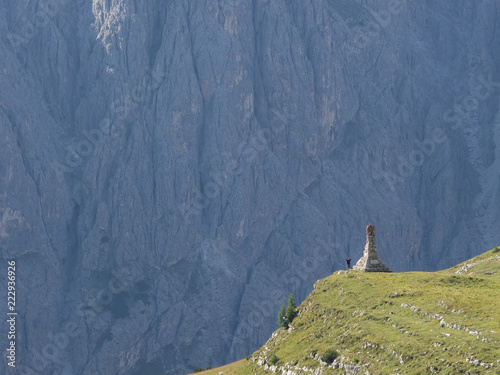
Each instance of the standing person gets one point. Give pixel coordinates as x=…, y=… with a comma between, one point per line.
x=348, y=260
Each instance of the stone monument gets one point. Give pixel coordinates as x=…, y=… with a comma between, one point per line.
x=370, y=262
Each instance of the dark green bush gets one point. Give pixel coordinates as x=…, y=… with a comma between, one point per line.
x=273, y=360
x=329, y=356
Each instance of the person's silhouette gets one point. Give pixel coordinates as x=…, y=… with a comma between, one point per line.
x=348, y=260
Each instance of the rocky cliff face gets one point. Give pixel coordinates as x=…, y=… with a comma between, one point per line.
x=171, y=170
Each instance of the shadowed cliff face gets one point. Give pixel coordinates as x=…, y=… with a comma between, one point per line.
x=172, y=170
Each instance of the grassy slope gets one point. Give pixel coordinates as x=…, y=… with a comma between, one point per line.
x=395, y=322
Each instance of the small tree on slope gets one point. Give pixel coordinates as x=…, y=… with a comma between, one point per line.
x=282, y=318
x=291, y=309
x=286, y=316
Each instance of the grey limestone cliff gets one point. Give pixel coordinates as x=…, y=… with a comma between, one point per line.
x=170, y=170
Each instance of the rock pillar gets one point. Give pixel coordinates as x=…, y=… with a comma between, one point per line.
x=370, y=262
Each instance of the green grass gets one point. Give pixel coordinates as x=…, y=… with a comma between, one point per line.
x=391, y=323
x=228, y=369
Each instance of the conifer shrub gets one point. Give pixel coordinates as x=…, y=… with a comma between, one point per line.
x=288, y=314
x=273, y=360
x=329, y=356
